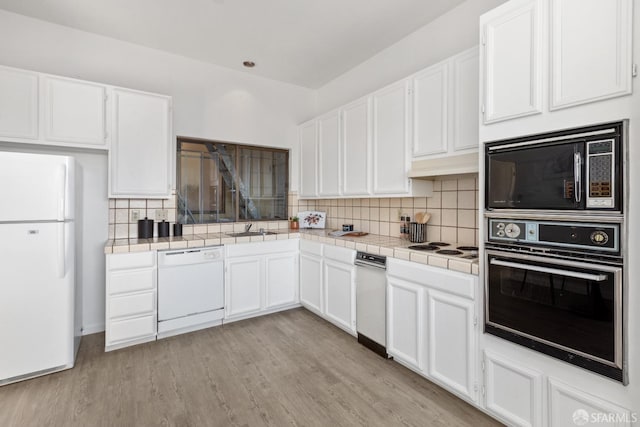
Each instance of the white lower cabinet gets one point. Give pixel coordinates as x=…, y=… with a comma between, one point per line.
x=281, y=286
x=431, y=323
x=131, y=311
x=328, y=283
x=405, y=321
x=243, y=279
x=311, y=276
x=513, y=393
x=260, y=277
x=451, y=341
x=570, y=406
x=340, y=294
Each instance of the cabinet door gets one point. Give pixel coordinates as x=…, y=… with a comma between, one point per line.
x=74, y=112
x=329, y=155
x=570, y=406
x=466, y=104
x=281, y=284
x=308, y=137
x=430, y=110
x=243, y=284
x=512, y=392
x=451, y=341
x=512, y=58
x=18, y=103
x=311, y=282
x=391, y=114
x=356, y=143
x=141, y=148
x=405, y=330
x=590, y=50
x=340, y=294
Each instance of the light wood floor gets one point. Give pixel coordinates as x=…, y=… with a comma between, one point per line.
x=289, y=368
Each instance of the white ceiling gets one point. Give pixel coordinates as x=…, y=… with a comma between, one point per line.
x=304, y=42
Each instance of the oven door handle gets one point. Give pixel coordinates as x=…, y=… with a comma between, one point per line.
x=575, y=274
x=577, y=176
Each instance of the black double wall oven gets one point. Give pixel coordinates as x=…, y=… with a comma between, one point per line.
x=554, y=247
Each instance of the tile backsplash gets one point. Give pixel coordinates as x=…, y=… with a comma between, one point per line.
x=453, y=208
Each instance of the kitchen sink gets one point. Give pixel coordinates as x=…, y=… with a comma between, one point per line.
x=251, y=233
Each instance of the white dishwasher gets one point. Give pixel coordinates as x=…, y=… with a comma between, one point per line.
x=190, y=290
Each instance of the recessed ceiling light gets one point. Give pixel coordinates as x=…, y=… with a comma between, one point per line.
x=249, y=64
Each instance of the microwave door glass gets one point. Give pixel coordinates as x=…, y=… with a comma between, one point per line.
x=536, y=178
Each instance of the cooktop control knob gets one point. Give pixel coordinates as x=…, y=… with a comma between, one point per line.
x=500, y=233
x=500, y=226
x=512, y=230
x=599, y=237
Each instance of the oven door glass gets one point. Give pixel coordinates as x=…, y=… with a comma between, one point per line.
x=541, y=177
x=572, y=307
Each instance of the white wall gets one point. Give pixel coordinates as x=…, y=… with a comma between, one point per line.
x=451, y=33
x=208, y=102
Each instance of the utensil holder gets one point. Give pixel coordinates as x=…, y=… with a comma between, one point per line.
x=417, y=232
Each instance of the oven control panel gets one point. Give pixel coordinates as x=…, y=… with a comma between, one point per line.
x=576, y=235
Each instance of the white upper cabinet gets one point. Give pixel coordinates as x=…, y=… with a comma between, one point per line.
x=445, y=107
x=74, y=112
x=356, y=147
x=391, y=136
x=329, y=154
x=512, y=60
x=308, y=137
x=431, y=110
x=140, y=155
x=465, y=88
x=590, y=50
x=18, y=103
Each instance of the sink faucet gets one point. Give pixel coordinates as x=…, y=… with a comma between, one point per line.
x=247, y=227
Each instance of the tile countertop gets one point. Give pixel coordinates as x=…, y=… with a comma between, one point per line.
x=382, y=245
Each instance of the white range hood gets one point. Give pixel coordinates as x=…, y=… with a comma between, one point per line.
x=449, y=165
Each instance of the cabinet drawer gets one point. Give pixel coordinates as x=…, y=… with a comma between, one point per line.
x=261, y=248
x=131, y=281
x=131, y=305
x=131, y=260
x=124, y=330
x=339, y=254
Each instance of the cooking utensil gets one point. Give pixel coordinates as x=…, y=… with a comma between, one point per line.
x=425, y=218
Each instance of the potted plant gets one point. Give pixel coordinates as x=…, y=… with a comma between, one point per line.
x=294, y=223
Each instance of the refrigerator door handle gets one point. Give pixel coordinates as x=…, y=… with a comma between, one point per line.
x=62, y=250
x=62, y=193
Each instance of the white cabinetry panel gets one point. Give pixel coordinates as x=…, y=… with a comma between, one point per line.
x=356, y=148
x=18, y=103
x=243, y=290
x=281, y=286
x=391, y=135
x=311, y=281
x=308, y=136
x=405, y=321
x=340, y=294
x=74, y=111
x=329, y=154
x=512, y=60
x=513, y=392
x=451, y=356
x=570, y=406
x=590, y=50
x=141, y=148
x=466, y=86
x=431, y=110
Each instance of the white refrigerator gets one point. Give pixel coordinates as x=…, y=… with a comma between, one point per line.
x=39, y=329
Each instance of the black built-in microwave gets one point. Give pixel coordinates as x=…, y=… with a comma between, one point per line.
x=576, y=169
